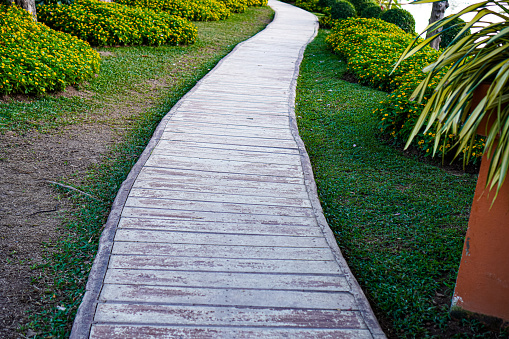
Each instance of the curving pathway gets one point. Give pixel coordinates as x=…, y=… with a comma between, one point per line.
x=218, y=231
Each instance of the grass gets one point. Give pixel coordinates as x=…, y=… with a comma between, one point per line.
x=399, y=222
x=126, y=81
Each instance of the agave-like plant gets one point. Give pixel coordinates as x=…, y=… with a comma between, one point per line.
x=469, y=61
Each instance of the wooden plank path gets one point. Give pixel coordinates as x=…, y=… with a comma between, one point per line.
x=218, y=231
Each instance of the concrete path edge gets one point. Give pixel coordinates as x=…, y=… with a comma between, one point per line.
x=84, y=317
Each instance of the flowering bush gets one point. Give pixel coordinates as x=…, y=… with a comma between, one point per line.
x=195, y=10
x=256, y=3
x=103, y=23
x=235, y=6
x=371, y=47
x=36, y=59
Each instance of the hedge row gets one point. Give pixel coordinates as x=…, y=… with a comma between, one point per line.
x=371, y=47
x=37, y=59
x=107, y=23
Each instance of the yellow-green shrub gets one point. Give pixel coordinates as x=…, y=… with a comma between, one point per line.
x=256, y=3
x=103, y=23
x=235, y=6
x=37, y=59
x=195, y=10
x=371, y=47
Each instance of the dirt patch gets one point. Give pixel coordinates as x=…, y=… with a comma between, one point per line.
x=32, y=210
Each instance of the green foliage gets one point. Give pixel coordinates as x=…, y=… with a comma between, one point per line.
x=341, y=10
x=309, y=5
x=235, y=6
x=401, y=18
x=371, y=11
x=256, y=3
x=102, y=23
x=450, y=30
x=36, y=59
x=361, y=4
x=195, y=10
x=403, y=247
x=372, y=47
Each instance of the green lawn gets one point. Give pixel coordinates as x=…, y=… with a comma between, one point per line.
x=399, y=222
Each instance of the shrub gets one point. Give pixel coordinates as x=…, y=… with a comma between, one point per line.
x=401, y=18
x=361, y=4
x=342, y=10
x=256, y=3
x=195, y=10
x=36, y=59
x=371, y=47
x=372, y=11
x=309, y=5
x=235, y=6
x=450, y=30
x=102, y=23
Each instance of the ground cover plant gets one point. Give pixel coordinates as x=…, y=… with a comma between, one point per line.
x=36, y=59
x=399, y=222
x=195, y=10
x=371, y=48
x=107, y=23
x=64, y=156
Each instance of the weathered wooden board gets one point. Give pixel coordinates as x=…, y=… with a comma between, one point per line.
x=218, y=207
x=158, y=332
x=221, y=251
x=224, y=264
x=176, y=237
x=228, y=297
x=228, y=316
x=139, y=212
x=214, y=165
x=223, y=197
x=193, y=176
x=167, y=149
x=219, y=227
x=212, y=139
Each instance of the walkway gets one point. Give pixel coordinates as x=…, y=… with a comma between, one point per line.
x=218, y=232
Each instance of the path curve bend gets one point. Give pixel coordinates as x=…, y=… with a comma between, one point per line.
x=217, y=232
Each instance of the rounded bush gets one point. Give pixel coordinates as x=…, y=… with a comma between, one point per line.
x=108, y=23
x=361, y=4
x=371, y=12
x=194, y=10
x=341, y=10
x=401, y=18
x=450, y=31
x=37, y=59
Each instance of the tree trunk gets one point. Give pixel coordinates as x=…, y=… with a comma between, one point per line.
x=437, y=13
x=28, y=5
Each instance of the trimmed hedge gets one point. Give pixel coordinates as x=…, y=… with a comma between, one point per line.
x=342, y=10
x=35, y=59
x=103, y=23
x=373, y=11
x=194, y=10
x=401, y=18
x=371, y=47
